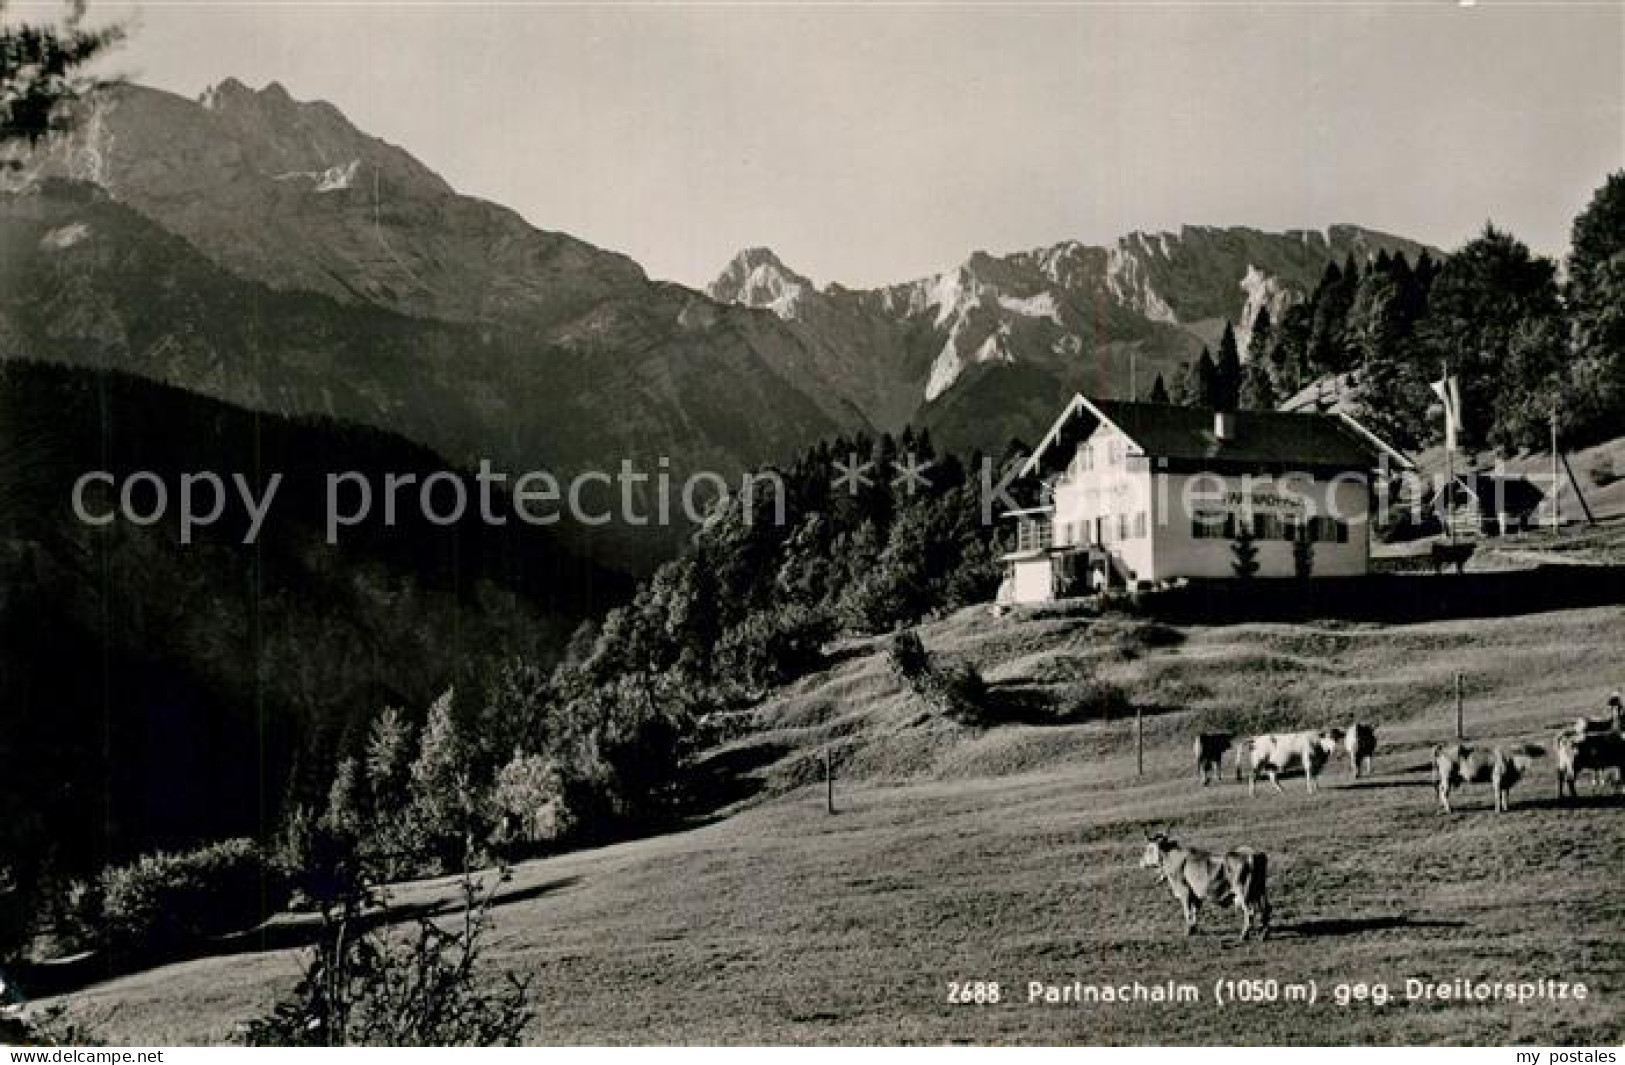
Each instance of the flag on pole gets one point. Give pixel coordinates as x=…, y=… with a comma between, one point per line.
x=1448, y=389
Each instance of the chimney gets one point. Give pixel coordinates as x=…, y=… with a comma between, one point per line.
x=1224, y=425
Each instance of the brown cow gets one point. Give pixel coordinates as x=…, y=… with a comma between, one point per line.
x=1210, y=748
x=1597, y=752
x=1501, y=767
x=1196, y=876
x=1361, y=743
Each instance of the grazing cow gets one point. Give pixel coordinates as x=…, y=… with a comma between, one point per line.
x=1597, y=752
x=1280, y=752
x=1591, y=726
x=1210, y=748
x=1196, y=876
x=1361, y=743
x=1594, y=726
x=1501, y=767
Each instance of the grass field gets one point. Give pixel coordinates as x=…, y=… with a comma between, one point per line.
x=1009, y=855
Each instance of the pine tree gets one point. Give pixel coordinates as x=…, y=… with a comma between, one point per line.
x=1427, y=271
x=1595, y=392
x=347, y=812
x=1257, y=392
x=1199, y=387
x=1303, y=555
x=1227, y=375
x=1159, y=391
x=389, y=761
x=1288, y=343
x=1258, y=342
x=443, y=800
x=1494, y=313
x=1244, y=552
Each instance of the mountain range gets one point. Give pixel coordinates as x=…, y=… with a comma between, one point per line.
x=264, y=251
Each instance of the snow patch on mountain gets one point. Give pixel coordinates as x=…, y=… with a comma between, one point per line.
x=333, y=179
x=1040, y=306
x=64, y=236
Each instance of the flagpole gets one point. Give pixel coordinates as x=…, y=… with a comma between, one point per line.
x=1449, y=455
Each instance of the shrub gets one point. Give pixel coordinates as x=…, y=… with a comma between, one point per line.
x=1093, y=700
x=1244, y=561
x=910, y=662
x=1604, y=472
x=17, y=907
x=956, y=690
x=78, y=918
x=1143, y=635
x=164, y=901
x=367, y=984
x=960, y=692
x=43, y=1028
x=1303, y=557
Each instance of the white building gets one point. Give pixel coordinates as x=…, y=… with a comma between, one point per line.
x=1138, y=493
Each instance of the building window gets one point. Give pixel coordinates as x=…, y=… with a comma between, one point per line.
x=1033, y=534
x=1087, y=454
x=1268, y=527
x=1213, y=525
x=1122, y=526
x=1328, y=530
x=1141, y=525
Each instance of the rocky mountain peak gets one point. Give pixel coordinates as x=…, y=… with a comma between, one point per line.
x=756, y=277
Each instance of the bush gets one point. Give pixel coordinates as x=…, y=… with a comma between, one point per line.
x=43, y=1028
x=1093, y=700
x=367, y=984
x=1244, y=555
x=956, y=690
x=165, y=901
x=17, y=907
x=78, y=917
x=910, y=662
x=960, y=692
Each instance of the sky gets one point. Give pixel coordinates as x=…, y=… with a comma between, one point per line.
x=873, y=144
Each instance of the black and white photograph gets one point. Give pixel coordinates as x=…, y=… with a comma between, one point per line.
x=812, y=524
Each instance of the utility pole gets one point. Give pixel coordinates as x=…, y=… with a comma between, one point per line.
x=1557, y=485
x=1139, y=743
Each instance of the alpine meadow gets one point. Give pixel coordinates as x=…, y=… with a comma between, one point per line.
x=422, y=628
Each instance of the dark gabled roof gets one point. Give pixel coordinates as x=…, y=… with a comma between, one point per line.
x=1258, y=438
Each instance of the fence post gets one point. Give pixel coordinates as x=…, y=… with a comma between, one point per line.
x=1139, y=743
x=1460, y=730
x=829, y=783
